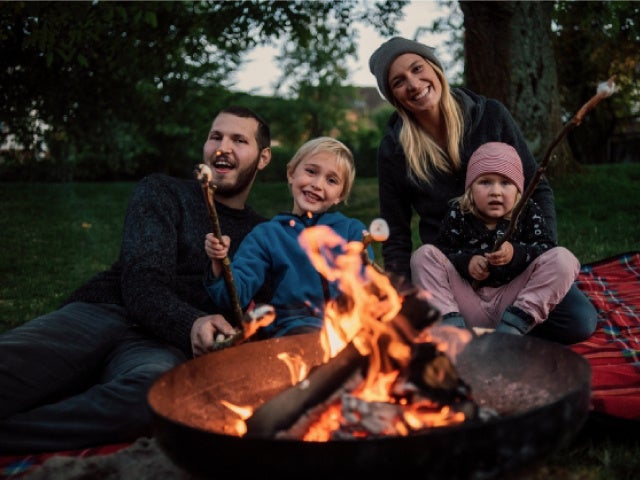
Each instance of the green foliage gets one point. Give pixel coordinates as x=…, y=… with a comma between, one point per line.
x=119, y=93
x=277, y=170
x=55, y=237
x=453, y=25
x=363, y=142
x=597, y=210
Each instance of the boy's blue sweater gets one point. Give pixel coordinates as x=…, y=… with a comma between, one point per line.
x=272, y=251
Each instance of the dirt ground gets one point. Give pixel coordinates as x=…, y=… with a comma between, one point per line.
x=145, y=460
x=142, y=460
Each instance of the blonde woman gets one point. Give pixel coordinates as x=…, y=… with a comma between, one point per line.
x=423, y=156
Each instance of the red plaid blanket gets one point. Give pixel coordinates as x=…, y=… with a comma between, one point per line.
x=613, y=351
x=16, y=466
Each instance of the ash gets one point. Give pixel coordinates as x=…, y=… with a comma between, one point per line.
x=506, y=397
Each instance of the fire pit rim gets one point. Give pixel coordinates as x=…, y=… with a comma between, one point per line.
x=569, y=411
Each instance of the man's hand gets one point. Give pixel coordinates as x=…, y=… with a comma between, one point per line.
x=205, y=330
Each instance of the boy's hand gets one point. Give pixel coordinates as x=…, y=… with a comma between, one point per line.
x=216, y=250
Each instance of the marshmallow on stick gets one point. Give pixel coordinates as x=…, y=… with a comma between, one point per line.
x=378, y=232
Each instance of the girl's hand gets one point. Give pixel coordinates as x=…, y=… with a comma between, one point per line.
x=478, y=267
x=501, y=257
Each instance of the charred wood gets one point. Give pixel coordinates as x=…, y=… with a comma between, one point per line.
x=281, y=412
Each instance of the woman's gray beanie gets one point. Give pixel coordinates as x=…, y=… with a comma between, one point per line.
x=383, y=57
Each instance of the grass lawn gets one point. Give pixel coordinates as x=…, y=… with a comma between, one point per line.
x=55, y=236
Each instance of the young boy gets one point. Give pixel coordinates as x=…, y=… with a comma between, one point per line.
x=320, y=176
x=519, y=283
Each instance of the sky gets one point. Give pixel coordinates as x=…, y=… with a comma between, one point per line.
x=260, y=72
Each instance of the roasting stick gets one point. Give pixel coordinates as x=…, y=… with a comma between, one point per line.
x=204, y=174
x=605, y=89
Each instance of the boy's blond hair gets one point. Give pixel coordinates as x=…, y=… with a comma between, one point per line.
x=331, y=145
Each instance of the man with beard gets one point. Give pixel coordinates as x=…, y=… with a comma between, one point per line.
x=78, y=376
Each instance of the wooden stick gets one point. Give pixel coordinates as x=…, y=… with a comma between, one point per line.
x=605, y=90
x=208, y=189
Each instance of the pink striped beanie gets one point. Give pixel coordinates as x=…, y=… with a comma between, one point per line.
x=495, y=157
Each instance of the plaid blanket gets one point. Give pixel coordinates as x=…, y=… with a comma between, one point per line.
x=613, y=351
x=16, y=466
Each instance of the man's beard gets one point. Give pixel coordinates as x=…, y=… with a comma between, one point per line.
x=244, y=179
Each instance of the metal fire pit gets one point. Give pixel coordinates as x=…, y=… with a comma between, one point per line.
x=540, y=389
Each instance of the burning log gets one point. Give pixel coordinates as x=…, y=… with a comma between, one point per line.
x=430, y=375
x=284, y=409
x=432, y=395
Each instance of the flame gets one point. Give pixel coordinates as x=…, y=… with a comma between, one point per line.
x=361, y=316
x=243, y=413
x=368, y=299
x=298, y=368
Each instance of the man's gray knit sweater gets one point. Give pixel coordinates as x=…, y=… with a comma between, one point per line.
x=158, y=276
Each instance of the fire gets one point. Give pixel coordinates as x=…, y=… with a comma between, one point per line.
x=368, y=302
x=242, y=412
x=395, y=395
x=297, y=366
x=362, y=316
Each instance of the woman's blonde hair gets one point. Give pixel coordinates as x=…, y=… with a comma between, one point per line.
x=424, y=156
x=330, y=145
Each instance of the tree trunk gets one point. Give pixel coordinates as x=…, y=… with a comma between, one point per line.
x=509, y=56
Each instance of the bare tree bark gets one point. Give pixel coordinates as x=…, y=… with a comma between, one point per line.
x=509, y=56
